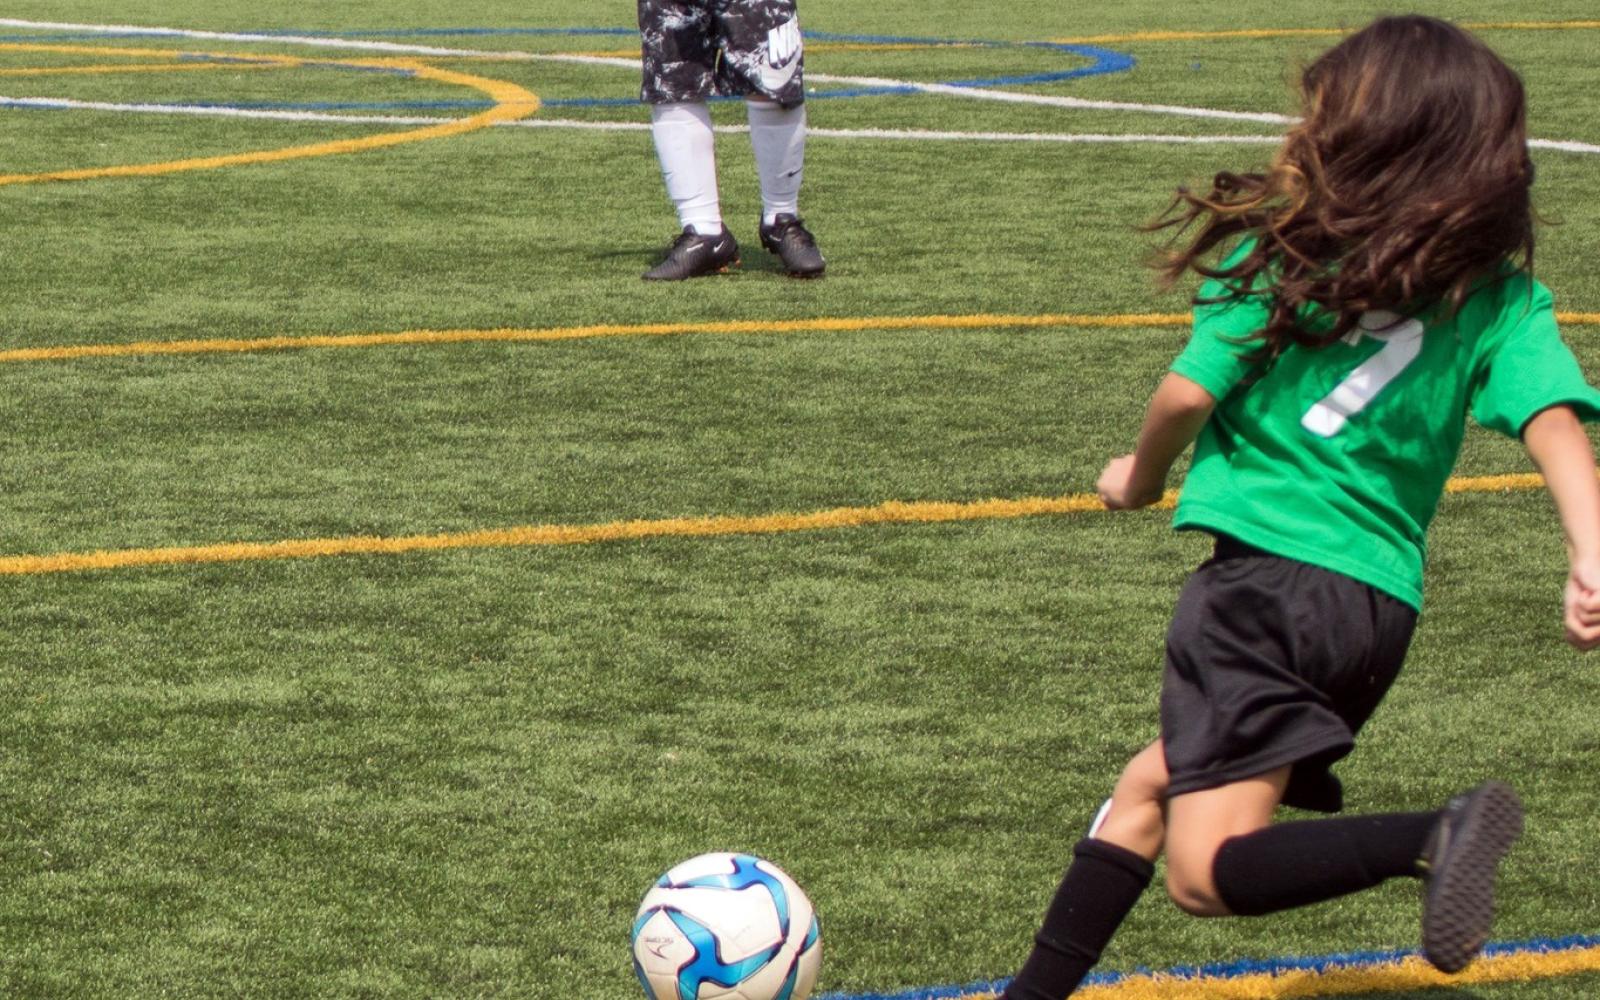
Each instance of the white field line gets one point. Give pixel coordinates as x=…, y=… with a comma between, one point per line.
x=975, y=93
x=201, y=111
x=904, y=135
x=62, y=103
x=396, y=48
x=317, y=41
x=1055, y=101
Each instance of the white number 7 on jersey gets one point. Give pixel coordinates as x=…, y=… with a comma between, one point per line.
x=1402, y=342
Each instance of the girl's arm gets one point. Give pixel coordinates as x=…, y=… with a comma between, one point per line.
x=1178, y=410
x=1558, y=446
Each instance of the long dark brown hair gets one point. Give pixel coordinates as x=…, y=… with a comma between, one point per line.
x=1404, y=185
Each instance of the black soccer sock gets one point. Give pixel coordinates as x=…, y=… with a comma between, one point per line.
x=1099, y=888
x=1295, y=864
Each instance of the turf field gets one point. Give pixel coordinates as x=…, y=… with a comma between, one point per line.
x=322, y=699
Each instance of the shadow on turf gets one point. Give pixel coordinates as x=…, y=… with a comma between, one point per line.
x=756, y=261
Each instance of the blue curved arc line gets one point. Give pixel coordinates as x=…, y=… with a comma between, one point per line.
x=1109, y=62
x=1103, y=62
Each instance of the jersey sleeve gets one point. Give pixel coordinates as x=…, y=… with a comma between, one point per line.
x=1531, y=370
x=1217, y=355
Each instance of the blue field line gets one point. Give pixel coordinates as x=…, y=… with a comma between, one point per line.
x=202, y=57
x=449, y=32
x=1103, y=62
x=89, y=36
x=80, y=36
x=1241, y=968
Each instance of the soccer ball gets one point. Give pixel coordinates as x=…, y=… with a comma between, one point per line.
x=726, y=927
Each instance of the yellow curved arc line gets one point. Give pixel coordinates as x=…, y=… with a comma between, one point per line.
x=511, y=103
x=1186, y=36
x=891, y=512
x=976, y=321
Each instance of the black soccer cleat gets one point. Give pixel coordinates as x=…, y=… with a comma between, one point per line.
x=693, y=255
x=794, y=246
x=1458, y=864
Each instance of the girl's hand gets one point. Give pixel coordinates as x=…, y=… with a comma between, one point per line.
x=1583, y=604
x=1118, y=491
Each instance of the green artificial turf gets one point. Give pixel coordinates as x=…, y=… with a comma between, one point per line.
x=455, y=774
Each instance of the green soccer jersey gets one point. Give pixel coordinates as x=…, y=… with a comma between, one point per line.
x=1338, y=456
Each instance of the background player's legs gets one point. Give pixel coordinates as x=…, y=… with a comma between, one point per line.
x=679, y=64
x=686, y=147
x=778, y=137
x=763, y=58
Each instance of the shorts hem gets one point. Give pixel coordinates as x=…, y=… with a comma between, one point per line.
x=1242, y=770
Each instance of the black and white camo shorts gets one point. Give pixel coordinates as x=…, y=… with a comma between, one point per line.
x=696, y=48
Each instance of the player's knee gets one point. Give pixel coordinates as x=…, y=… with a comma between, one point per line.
x=1195, y=897
x=1191, y=886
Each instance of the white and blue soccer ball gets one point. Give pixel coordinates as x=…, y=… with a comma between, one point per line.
x=726, y=927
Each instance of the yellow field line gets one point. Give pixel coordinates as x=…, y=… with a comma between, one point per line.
x=511, y=102
x=1406, y=976
x=975, y=321
x=822, y=325
x=1533, y=26
x=1185, y=36
x=891, y=512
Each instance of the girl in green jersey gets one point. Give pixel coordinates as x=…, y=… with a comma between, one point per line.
x=1376, y=290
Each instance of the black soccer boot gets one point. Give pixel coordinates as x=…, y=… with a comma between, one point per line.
x=794, y=246
x=1458, y=866
x=693, y=255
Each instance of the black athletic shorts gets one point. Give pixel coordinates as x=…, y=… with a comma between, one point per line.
x=1272, y=661
x=696, y=48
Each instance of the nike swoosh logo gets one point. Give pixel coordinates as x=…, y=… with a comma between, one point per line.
x=777, y=79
